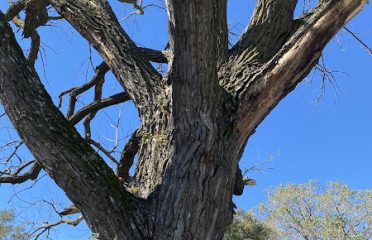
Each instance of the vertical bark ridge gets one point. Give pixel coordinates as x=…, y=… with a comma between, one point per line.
x=200, y=172
x=207, y=45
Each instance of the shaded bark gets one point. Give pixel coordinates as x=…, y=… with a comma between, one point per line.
x=196, y=119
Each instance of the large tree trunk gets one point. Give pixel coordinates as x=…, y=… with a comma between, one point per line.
x=196, y=120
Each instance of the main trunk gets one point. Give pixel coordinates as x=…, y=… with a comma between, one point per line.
x=187, y=172
x=195, y=172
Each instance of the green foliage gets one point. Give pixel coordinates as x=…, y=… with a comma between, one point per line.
x=246, y=227
x=7, y=229
x=308, y=212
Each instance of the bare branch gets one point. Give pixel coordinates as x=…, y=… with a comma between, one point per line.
x=103, y=31
x=17, y=178
x=97, y=105
x=127, y=156
x=359, y=40
x=47, y=227
x=100, y=72
x=13, y=152
x=100, y=148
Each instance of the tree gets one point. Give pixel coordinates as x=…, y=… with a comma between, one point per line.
x=7, y=229
x=196, y=118
x=310, y=212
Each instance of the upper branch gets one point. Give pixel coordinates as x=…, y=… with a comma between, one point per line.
x=87, y=180
x=95, y=20
x=260, y=90
x=198, y=34
x=269, y=27
x=15, y=9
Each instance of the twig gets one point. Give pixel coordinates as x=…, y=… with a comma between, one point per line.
x=359, y=40
x=97, y=105
x=48, y=226
x=102, y=149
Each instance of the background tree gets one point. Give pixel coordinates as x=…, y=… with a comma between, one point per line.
x=196, y=118
x=8, y=230
x=246, y=226
x=309, y=212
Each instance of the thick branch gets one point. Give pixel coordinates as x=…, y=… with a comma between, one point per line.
x=103, y=31
x=262, y=89
x=87, y=180
x=269, y=27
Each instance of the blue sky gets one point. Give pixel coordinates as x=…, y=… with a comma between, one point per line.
x=300, y=140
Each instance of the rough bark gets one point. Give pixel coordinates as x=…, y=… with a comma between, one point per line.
x=63, y=154
x=196, y=119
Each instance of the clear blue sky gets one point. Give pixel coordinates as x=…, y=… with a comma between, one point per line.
x=299, y=141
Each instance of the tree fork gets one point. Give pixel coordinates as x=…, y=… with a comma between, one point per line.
x=196, y=120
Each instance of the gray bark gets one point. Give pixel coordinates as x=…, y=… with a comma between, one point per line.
x=196, y=120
